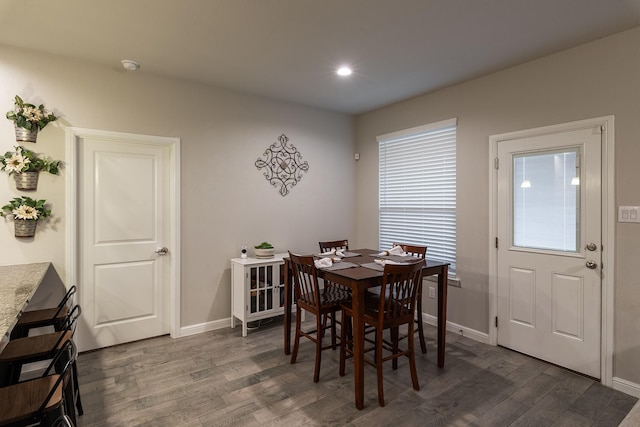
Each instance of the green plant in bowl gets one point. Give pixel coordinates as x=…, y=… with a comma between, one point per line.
x=264, y=250
x=264, y=245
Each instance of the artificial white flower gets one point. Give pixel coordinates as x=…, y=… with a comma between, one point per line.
x=25, y=212
x=32, y=114
x=16, y=163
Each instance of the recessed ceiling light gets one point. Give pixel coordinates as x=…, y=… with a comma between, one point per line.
x=130, y=65
x=344, y=71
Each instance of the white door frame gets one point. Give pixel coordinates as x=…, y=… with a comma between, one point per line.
x=608, y=230
x=72, y=220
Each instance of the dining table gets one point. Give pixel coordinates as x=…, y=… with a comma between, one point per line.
x=362, y=270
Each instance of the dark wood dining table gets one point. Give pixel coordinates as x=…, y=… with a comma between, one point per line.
x=359, y=279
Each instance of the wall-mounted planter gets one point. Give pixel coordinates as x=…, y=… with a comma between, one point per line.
x=25, y=227
x=27, y=181
x=26, y=135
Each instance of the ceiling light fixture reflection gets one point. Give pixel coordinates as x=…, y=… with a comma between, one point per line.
x=344, y=71
x=575, y=180
x=525, y=184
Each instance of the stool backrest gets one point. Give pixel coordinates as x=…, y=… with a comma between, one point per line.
x=400, y=284
x=334, y=244
x=305, y=279
x=66, y=355
x=67, y=300
x=417, y=251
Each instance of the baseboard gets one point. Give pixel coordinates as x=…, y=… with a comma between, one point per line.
x=458, y=329
x=199, y=328
x=627, y=387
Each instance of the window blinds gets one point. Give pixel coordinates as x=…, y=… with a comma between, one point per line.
x=417, y=189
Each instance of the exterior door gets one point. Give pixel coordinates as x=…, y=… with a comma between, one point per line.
x=124, y=267
x=549, y=248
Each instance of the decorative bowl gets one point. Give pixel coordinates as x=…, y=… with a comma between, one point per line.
x=264, y=253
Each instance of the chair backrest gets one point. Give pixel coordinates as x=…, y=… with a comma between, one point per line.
x=413, y=250
x=334, y=244
x=68, y=327
x=70, y=321
x=70, y=293
x=66, y=355
x=68, y=299
x=400, y=284
x=305, y=279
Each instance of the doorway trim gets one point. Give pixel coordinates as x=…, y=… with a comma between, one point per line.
x=608, y=230
x=72, y=136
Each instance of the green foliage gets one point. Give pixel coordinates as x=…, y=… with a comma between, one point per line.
x=24, y=160
x=28, y=116
x=264, y=245
x=20, y=202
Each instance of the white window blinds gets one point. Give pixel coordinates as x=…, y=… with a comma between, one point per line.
x=417, y=199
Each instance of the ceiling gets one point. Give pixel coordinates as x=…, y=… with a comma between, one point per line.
x=289, y=49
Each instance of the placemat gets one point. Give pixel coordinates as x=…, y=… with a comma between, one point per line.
x=350, y=254
x=373, y=266
x=341, y=265
x=398, y=258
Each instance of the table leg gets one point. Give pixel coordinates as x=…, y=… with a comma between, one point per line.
x=442, y=313
x=287, y=307
x=357, y=299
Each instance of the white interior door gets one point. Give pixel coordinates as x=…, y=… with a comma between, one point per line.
x=550, y=249
x=124, y=272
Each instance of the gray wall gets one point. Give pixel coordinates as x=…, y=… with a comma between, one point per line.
x=225, y=200
x=597, y=79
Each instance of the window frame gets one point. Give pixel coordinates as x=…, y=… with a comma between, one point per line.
x=417, y=135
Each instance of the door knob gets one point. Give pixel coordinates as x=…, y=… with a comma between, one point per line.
x=162, y=251
x=591, y=247
x=591, y=264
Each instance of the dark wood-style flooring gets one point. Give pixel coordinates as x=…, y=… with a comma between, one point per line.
x=221, y=379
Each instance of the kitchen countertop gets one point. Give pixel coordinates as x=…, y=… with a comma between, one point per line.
x=18, y=283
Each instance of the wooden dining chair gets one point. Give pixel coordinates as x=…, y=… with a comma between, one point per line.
x=394, y=307
x=320, y=302
x=334, y=244
x=418, y=252
x=329, y=246
x=40, y=400
x=44, y=317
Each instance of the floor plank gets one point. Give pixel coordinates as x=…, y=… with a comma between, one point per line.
x=221, y=379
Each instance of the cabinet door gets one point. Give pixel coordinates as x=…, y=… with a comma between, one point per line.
x=262, y=288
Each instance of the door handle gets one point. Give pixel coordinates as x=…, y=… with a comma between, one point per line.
x=591, y=264
x=591, y=247
x=162, y=251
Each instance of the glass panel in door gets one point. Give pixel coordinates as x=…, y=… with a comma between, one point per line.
x=546, y=200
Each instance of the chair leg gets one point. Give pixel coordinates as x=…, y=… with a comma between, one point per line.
x=69, y=404
x=423, y=342
x=412, y=362
x=333, y=330
x=344, y=338
x=296, y=339
x=395, y=335
x=77, y=389
x=379, y=366
x=319, y=336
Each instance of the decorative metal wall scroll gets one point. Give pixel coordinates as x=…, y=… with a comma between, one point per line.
x=283, y=165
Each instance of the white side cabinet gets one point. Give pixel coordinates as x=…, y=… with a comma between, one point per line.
x=257, y=289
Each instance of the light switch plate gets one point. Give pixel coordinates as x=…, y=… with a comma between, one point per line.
x=629, y=214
